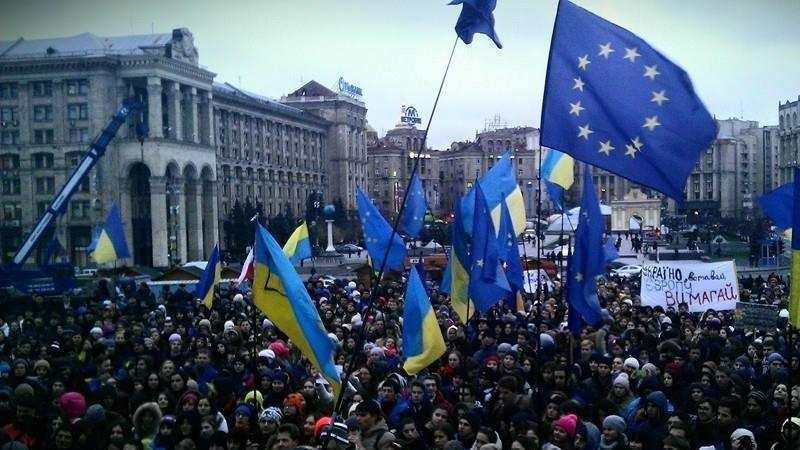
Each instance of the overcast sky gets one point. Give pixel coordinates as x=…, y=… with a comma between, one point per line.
x=743, y=56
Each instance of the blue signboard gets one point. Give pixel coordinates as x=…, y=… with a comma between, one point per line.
x=410, y=115
x=349, y=89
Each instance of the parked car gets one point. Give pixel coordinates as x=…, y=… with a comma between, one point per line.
x=348, y=249
x=628, y=271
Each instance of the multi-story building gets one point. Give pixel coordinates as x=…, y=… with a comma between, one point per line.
x=391, y=161
x=770, y=158
x=728, y=177
x=464, y=162
x=57, y=94
x=789, y=133
x=449, y=174
x=268, y=153
x=209, y=145
x=346, y=140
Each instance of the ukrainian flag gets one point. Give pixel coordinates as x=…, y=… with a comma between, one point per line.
x=558, y=172
x=211, y=276
x=794, y=295
x=298, y=247
x=279, y=293
x=499, y=184
x=109, y=244
x=423, y=343
x=455, y=280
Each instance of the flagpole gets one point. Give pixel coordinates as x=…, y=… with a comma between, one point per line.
x=379, y=277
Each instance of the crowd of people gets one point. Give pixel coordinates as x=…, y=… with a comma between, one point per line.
x=126, y=370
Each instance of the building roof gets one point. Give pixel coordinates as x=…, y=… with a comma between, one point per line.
x=266, y=102
x=313, y=89
x=84, y=44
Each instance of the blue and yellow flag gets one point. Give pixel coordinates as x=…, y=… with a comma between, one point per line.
x=587, y=262
x=280, y=294
x=298, y=247
x=558, y=173
x=209, y=279
x=109, y=244
x=499, y=184
x=487, y=280
x=477, y=16
x=613, y=101
x=777, y=204
x=416, y=206
x=422, y=338
x=794, y=294
x=455, y=280
x=376, y=236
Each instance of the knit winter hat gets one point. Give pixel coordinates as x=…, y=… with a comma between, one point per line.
x=294, y=399
x=95, y=414
x=337, y=431
x=73, y=404
x=632, y=362
x=615, y=423
x=742, y=432
x=271, y=414
x=622, y=380
x=569, y=423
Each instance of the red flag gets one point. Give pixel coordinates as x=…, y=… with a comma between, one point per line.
x=247, y=269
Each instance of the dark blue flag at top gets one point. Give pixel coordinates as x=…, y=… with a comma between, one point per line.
x=613, y=101
x=416, y=206
x=477, y=16
x=587, y=262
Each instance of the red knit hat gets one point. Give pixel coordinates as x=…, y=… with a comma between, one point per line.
x=569, y=423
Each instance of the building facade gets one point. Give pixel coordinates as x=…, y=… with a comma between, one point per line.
x=268, y=154
x=789, y=139
x=57, y=94
x=346, y=140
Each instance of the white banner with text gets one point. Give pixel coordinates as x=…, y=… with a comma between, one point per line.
x=700, y=285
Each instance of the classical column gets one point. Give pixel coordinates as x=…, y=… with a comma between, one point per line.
x=125, y=208
x=190, y=118
x=206, y=125
x=209, y=216
x=194, y=220
x=175, y=112
x=154, y=115
x=158, y=221
x=176, y=219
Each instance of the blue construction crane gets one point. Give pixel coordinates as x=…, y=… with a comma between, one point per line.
x=52, y=279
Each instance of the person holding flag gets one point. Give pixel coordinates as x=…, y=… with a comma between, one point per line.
x=209, y=279
x=109, y=243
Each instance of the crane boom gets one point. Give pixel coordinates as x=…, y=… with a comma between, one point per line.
x=96, y=151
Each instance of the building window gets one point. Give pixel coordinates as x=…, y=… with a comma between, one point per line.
x=73, y=159
x=9, y=137
x=45, y=185
x=43, y=136
x=11, y=186
x=78, y=111
x=42, y=160
x=12, y=211
x=79, y=209
x=41, y=207
x=8, y=114
x=9, y=162
x=78, y=135
x=43, y=113
x=84, y=186
x=42, y=89
x=77, y=87
x=8, y=91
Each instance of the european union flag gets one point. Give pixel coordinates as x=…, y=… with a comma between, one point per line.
x=477, y=16
x=509, y=253
x=376, y=236
x=416, y=206
x=777, y=204
x=487, y=281
x=610, y=252
x=587, y=261
x=499, y=185
x=613, y=101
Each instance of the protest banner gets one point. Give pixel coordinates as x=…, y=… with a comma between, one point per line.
x=702, y=286
x=755, y=316
x=534, y=277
